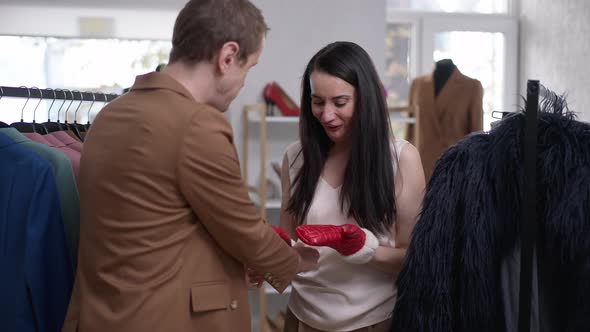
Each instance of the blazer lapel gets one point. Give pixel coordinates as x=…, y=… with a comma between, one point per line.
x=430, y=103
x=445, y=95
x=445, y=98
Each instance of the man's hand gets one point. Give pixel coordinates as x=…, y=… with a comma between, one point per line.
x=307, y=261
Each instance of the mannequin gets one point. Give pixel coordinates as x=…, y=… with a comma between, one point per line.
x=450, y=106
x=442, y=71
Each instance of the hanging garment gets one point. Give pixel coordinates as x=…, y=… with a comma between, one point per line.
x=447, y=118
x=38, y=138
x=73, y=134
x=53, y=142
x=66, y=186
x=37, y=276
x=68, y=140
x=459, y=262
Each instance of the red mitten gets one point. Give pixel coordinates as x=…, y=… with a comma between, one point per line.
x=356, y=244
x=283, y=235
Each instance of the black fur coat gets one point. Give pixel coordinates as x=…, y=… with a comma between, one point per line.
x=471, y=220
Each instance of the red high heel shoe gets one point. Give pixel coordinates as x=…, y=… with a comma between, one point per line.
x=273, y=94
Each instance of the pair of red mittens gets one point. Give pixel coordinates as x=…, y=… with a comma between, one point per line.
x=357, y=245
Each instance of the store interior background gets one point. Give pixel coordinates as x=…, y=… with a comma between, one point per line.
x=551, y=45
x=552, y=42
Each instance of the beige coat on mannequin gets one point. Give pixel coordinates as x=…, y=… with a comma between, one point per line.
x=446, y=118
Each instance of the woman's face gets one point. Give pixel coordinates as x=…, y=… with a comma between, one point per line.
x=332, y=103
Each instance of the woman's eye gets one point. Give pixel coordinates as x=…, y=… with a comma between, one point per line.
x=339, y=105
x=318, y=103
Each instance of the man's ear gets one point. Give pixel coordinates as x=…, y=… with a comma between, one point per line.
x=227, y=56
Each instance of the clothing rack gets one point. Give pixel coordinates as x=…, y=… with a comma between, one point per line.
x=36, y=93
x=529, y=225
x=78, y=129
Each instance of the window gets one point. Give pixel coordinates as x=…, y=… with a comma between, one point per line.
x=479, y=55
x=482, y=46
x=468, y=6
x=398, y=63
x=107, y=65
x=95, y=65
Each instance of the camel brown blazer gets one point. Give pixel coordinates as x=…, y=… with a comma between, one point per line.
x=446, y=118
x=167, y=225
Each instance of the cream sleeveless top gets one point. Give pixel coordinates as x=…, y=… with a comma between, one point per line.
x=339, y=296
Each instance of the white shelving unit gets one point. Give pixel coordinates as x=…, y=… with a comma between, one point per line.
x=256, y=114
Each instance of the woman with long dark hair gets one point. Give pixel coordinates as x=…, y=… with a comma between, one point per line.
x=348, y=172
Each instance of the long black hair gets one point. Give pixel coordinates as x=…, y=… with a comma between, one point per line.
x=368, y=186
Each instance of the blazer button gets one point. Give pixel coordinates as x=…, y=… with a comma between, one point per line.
x=233, y=305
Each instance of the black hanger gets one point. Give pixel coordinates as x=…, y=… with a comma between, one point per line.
x=49, y=109
x=88, y=121
x=75, y=127
x=67, y=126
x=84, y=127
x=56, y=126
x=48, y=123
x=22, y=126
x=64, y=126
x=2, y=124
x=38, y=127
x=87, y=125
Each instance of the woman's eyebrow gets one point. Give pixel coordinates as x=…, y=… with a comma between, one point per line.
x=345, y=96
x=342, y=97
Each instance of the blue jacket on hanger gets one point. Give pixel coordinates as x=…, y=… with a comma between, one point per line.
x=37, y=277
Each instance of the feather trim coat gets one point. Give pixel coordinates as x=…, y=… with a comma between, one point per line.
x=457, y=271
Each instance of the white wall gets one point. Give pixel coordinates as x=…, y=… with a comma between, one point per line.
x=554, y=48
x=300, y=28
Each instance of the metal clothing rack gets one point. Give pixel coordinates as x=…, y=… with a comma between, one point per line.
x=53, y=95
x=36, y=93
x=529, y=222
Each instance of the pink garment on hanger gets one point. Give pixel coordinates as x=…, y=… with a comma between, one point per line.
x=73, y=155
x=37, y=138
x=67, y=140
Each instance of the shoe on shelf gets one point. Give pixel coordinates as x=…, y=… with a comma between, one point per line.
x=274, y=95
